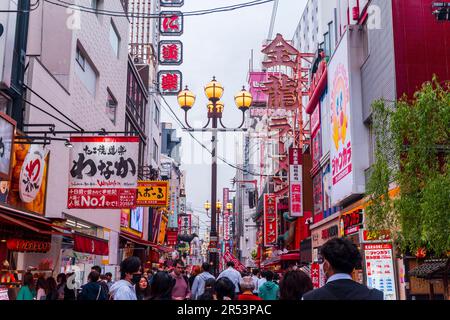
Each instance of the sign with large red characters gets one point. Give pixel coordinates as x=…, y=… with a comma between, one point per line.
x=349, y=137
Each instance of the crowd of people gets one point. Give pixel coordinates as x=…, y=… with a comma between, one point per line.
x=340, y=257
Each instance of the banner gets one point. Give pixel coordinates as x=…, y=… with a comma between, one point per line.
x=295, y=182
x=90, y=245
x=380, y=269
x=153, y=194
x=237, y=264
x=103, y=172
x=172, y=237
x=270, y=220
x=27, y=245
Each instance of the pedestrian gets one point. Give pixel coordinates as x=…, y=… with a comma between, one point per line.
x=340, y=257
x=93, y=289
x=262, y=280
x=162, y=285
x=198, y=286
x=180, y=290
x=294, y=285
x=247, y=287
x=28, y=289
x=61, y=280
x=52, y=292
x=208, y=293
x=130, y=275
x=255, y=278
x=143, y=289
x=101, y=280
x=109, y=281
x=232, y=274
x=269, y=290
x=224, y=289
x=41, y=288
x=194, y=273
x=70, y=287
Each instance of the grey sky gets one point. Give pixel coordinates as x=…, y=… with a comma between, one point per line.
x=220, y=44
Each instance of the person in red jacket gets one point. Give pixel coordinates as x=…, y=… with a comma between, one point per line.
x=247, y=287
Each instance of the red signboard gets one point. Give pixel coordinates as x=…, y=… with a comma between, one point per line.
x=226, y=226
x=170, y=52
x=295, y=182
x=317, y=194
x=315, y=275
x=27, y=245
x=351, y=222
x=227, y=256
x=172, y=236
x=170, y=82
x=90, y=245
x=270, y=220
x=103, y=172
x=171, y=23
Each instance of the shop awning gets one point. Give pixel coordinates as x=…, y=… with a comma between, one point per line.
x=145, y=243
x=432, y=269
x=295, y=256
x=90, y=244
x=31, y=222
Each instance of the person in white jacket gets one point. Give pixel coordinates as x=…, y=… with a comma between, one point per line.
x=232, y=274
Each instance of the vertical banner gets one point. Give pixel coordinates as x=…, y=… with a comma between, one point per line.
x=379, y=266
x=270, y=220
x=295, y=182
x=103, y=172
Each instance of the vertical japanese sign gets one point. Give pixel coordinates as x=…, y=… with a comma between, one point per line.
x=171, y=3
x=270, y=220
x=173, y=207
x=317, y=193
x=7, y=128
x=295, y=182
x=281, y=90
x=379, y=268
x=184, y=224
x=170, y=52
x=103, y=172
x=170, y=82
x=171, y=23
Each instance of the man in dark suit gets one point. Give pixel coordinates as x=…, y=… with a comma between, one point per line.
x=340, y=257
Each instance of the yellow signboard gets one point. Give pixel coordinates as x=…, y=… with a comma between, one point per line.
x=153, y=194
x=162, y=229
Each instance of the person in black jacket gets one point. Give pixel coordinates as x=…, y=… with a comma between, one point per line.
x=92, y=290
x=340, y=257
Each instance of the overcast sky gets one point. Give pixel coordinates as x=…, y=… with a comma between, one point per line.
x=220, y=45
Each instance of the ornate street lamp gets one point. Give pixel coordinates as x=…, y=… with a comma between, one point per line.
x=214, y=91
x=207, y=206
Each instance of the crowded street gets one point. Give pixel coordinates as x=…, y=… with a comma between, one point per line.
x=224, y=150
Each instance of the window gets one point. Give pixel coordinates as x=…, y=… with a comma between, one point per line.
x=80, y=58
x=155, y=151
x=156, y=115
x=86, y=70
x=111, y=107
x=332, y=36
x=326, y=38
x=114, y=38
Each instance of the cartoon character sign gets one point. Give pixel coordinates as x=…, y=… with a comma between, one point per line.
x=339, y=106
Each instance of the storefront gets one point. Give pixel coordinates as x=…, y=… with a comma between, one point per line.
x=279, y=263
x=323, y=231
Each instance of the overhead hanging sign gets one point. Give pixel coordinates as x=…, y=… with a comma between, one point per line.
x=295, y=182
x=380, y=269
x=7, y=128
x=90, y=245
x=170, y=82
x=171, y=23
x=153, y=194
x=103, y=172
x=270, y=220
x=227, y=257
x=170, y=52
x=32, y=173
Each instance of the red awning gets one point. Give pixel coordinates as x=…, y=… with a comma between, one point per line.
x=89, y=244
x=145, y=242
x=290, y=257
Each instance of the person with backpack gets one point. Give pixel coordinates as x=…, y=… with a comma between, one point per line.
x=340, y=258
x=93, y=289
x=199, y=284
x=180, y=290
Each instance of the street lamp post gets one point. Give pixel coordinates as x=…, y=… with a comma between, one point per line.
x=214, y=91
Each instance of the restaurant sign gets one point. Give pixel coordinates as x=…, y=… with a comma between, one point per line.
x=153, y=194
x=103, y=172
x=351, y=222
x=21, y=245
x=270, y=220
x=295, y=182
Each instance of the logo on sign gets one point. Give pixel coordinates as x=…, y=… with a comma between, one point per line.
x=32, y=173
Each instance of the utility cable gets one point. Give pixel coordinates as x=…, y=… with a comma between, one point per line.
x=33, y=7
x=154, y=16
